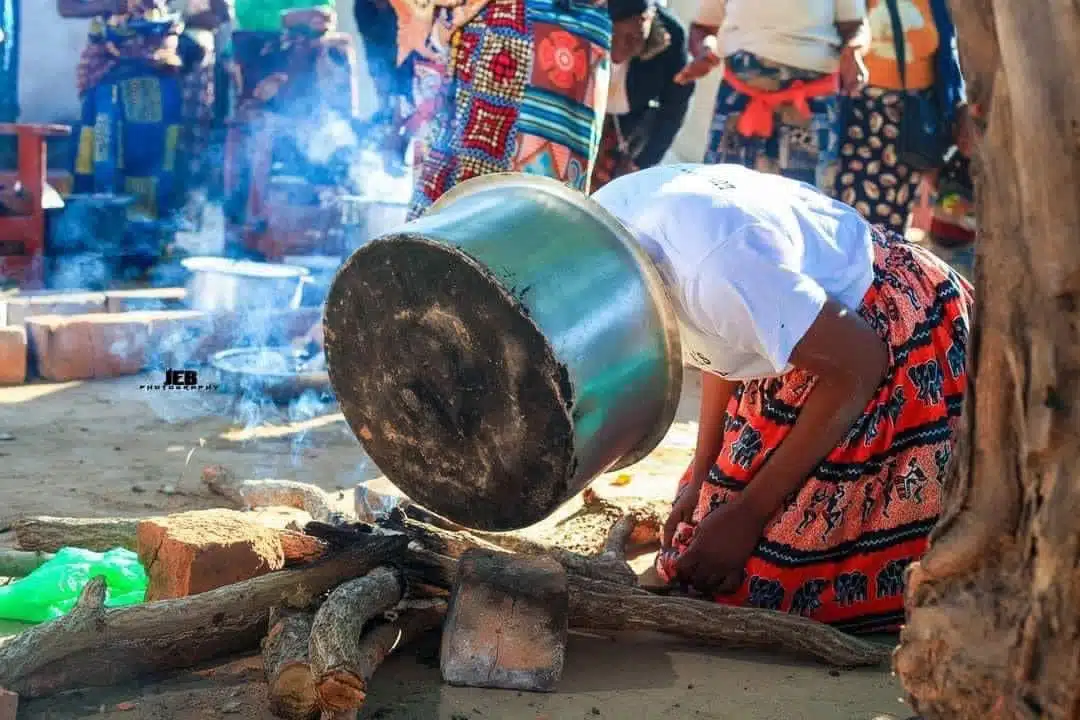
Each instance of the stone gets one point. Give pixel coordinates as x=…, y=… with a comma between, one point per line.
x=18, y=309
x=192, y=552
x=9, y=705
x=144, y=299
x=506, y=626
x=12, y=355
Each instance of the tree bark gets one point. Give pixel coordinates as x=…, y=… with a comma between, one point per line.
x=338, y=656
x=49, y=534
x=95, y=646
x=608, y=565
x=413, y=619
x=290, y=685
x=994, y=606
x=249, y=494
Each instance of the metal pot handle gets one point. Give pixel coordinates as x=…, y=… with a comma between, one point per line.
x=298, y=294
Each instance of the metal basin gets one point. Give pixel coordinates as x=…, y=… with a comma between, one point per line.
x=421, y=363
x=280, y=374
x=221, y=284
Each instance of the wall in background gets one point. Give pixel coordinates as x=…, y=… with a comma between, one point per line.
x=50, y=47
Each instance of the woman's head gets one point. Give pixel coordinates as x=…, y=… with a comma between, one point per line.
x=631, y=21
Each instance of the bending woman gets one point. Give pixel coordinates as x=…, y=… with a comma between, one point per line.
x=833, y=355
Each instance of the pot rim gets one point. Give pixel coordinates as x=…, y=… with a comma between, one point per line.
x=243, y=268
x=653, y=284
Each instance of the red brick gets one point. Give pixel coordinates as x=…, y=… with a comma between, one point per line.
x=192, y=552
x=145, y=299
x=12, y=355
x=9, y=705
x=81, y=347
x=16, y=310
x=507, y=623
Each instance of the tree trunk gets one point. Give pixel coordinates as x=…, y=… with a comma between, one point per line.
x=994, y=607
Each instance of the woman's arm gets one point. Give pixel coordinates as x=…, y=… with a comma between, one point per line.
x=715, y=394
x=89, y=8
x=849, y=360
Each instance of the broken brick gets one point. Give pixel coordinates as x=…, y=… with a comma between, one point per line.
x=12, y=355
x=192, y=552
x=82, y=347
x=18, y=309
x=507, y=622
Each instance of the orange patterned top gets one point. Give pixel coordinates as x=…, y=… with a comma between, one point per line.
x=921, y=44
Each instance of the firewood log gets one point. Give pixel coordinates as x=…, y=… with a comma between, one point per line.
x=97, y=646
x=249, y=494
x=336, y=650
x=608, y=566
x=599, y=605
x=49, y=534
x=413, y=619
x=291, y=687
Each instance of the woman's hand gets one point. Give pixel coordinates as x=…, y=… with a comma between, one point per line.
x=706, y=57
x=853, y=72
x=723, y=543
x=682, y=511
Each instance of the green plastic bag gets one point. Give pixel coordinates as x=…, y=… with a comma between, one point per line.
x=51, y=591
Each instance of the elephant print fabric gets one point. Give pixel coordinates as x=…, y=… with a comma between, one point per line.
x=838, y=549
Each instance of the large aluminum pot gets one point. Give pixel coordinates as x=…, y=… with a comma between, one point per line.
x=221, y=284
x=499, y=353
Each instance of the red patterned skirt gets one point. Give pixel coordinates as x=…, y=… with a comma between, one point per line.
x=838, y=549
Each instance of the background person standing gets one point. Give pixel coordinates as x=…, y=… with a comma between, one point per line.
x=646, y=106
x=785, y=63
x=521, y=86
x=873, y=176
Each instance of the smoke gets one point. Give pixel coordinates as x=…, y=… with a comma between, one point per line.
x=97, y=242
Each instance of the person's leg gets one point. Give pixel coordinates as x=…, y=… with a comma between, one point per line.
x=726, y=144
x=807, y=147
x=870, y=177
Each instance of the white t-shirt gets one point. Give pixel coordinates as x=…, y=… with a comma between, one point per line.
x=748, y=259
x=799, y=33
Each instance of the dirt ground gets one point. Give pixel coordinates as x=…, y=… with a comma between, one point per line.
x=109, y=448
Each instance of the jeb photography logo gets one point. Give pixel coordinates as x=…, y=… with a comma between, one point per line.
x=180, y=380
